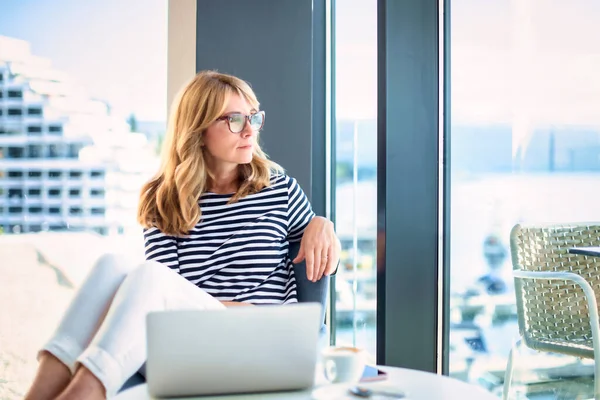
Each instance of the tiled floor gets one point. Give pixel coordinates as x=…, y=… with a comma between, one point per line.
x=573, y=388
x=564, y=389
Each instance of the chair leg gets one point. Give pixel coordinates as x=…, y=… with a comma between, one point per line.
x=596, y=379
x=508, y=374
x=595, y=324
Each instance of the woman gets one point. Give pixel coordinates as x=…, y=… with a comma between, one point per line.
x=218, y=219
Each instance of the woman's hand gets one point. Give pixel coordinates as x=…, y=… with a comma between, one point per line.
x=235, y=304
x=320, y=247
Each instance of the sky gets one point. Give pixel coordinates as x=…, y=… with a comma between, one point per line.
x=533, y=61
x=116, y=48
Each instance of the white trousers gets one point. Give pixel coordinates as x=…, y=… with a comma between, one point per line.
x=104, y=327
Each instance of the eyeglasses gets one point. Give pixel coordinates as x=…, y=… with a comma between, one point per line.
x=237, y=122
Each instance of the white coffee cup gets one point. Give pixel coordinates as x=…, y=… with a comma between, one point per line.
x=343, y=364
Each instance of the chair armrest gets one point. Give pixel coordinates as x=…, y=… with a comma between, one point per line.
x=314, y=292
x=588, y=291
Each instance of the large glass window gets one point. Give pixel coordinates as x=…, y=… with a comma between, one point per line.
x=355, y=143
x=525, y=140
x=57, y=205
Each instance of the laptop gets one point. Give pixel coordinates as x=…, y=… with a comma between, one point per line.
x=238, y=350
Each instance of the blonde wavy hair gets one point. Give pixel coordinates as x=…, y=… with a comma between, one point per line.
x=169, y=201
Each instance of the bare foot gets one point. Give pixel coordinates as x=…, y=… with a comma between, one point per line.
x=84, y=385
x=52, y=377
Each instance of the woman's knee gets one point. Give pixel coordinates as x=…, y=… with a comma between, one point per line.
x=113, y=265
x=150, y=272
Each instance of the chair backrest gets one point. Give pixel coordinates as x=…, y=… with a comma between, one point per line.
x=554, y=310
x=309, y=291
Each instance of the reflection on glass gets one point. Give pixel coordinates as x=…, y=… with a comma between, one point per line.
x=68, y=124
x=355, y=77
x=525, y=148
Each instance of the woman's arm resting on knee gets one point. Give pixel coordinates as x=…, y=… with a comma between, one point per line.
x=321, y=248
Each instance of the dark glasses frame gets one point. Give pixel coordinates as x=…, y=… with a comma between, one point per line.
x=247, y=118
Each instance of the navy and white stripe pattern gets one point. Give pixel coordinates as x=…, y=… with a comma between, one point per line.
x=239, y=251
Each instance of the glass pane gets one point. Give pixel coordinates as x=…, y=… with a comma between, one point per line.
x=355, y=77
x=525, y=149
x=74, y=73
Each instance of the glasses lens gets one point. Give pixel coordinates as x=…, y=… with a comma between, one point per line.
x=256, y=121
x=236, y=122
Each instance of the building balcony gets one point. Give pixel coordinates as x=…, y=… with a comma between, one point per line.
x=13, y=102
x=51, y=200
x=12, y=117
x=13, y=218
x=10, y=123
x=37, y=218
x=11, y=181
x=86, y=219
x=95, y=202
x=44, y=164
x=32, y=181
x=13, y=140
x=30, y=200
x=15, y=200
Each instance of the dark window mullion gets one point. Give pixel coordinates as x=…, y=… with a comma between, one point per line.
x=407, y=181
x=332, y=172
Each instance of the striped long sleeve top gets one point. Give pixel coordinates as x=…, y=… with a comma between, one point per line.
x=239, y=251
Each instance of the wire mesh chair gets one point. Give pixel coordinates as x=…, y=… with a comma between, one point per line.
x=557, y=292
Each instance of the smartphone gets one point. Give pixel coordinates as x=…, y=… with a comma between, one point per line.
x=371, y=374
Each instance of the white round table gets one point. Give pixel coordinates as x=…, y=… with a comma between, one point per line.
x=416, y=385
